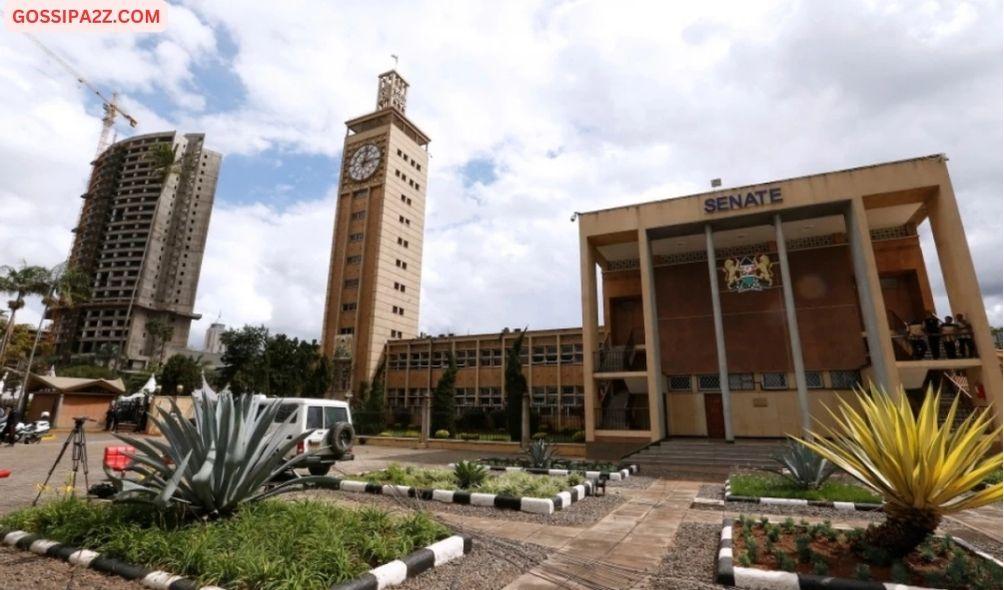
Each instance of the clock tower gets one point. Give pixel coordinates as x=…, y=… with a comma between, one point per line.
x=375, y=272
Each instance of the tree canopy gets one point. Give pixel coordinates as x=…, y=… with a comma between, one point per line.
x=180, y=370
x=256, y=361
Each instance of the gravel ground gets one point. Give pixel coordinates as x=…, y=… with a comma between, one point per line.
x=690, y=565
x=490, y=565
x=717, y=492
x=22, y=570
x=582, y=513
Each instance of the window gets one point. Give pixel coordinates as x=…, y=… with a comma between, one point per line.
x=348, y=306
x=395, y=334
x=401, y=264
x=709, y=382
x=679, y=382
x=315, y=417
x=345, y=331
x=774, y=381
x=571, y=354
x=490, y=396
x=418, y=187
x=358, y=215
x=572, y=396
x=402, y=242
x=814, y=379
x=465, y=397
x=491, y=357
x=334, y=414
x=397, y=310
x=466, y=358
x=354, y=259
x=359, y=194
x=285, y=411
x=356, y=237
x=844, y=379
x=351, y=283
x=399, y=287
x=741, y=382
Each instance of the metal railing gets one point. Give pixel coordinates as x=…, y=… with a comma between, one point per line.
x=623, y=419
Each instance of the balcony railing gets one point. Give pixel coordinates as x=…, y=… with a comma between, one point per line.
x=622, y=419
x=619, y=358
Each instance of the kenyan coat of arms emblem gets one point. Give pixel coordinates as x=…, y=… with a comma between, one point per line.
x=749, y=273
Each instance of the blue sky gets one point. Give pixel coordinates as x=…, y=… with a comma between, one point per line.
x=535, y=110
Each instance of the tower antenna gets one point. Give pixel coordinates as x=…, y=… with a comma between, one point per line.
x=394, y=57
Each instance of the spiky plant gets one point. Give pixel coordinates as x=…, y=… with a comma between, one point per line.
x=803, y=467
x=469, y=474
x=540, y=454
x=212, y=465
x=922, y=469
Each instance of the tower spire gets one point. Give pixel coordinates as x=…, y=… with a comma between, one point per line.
x=392, y=91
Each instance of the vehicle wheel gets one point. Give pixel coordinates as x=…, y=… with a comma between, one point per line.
x=340, y=437
x=319, y=469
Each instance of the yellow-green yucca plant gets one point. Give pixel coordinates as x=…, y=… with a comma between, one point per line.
x=922, y=469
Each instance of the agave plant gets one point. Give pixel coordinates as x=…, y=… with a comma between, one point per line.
x=922, y=469
x=803, y=467
x=469, y=474
x=540, y=454
x=214, y=464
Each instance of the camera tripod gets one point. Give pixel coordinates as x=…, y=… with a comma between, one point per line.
x=78, y=455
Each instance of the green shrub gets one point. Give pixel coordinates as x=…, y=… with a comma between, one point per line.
x=801, y=466
x=470, y=474
x=820, y=568
x=540, y=454
x=540, y=436
x=771, y=485
x=441, y=434
x=579, y=436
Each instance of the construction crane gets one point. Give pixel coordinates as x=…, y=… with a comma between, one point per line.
x=110, y=105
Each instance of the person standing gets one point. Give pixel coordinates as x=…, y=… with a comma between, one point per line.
x=948, y=335
x=932, y=327
x=964, y=336
x=915, y=335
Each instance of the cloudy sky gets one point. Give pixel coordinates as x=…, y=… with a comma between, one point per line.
x=535, y=109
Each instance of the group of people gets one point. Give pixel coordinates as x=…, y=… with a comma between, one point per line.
x=954, y=335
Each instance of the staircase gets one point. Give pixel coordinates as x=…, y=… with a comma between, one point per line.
x=704, y=459
x=954, y=384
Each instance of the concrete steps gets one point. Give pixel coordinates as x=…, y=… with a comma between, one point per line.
x=704, y=457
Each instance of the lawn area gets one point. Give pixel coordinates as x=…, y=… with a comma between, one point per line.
x=511, y=484
x=774, y=486
x=272, y=544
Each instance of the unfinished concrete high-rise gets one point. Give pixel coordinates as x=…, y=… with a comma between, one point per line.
x=140, y=238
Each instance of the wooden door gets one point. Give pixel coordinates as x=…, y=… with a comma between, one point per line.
x=627, y=316
x=714, y=416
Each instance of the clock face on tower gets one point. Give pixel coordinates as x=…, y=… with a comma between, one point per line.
x=364, y=162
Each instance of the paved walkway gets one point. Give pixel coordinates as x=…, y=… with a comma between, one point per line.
x=630, y=541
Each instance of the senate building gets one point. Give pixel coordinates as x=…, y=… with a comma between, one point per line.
x=740, y=312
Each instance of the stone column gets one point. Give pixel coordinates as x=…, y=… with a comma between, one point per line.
x=587, y=260
x=716, y=307
x=653, y=356
x=794, y=338
x=873, y=312
x=963, y=290
x=524, y=439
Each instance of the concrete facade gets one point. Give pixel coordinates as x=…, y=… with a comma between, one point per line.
x=757, y=307
x=141, y=238
x=375, y=272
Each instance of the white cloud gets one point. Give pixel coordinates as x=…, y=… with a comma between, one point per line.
x=577, y=105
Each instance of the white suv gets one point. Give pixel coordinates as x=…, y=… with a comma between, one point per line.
x=330, y=425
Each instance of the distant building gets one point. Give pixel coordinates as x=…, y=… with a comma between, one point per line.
x=214, y=338
x=376, y=250
x=141, y=236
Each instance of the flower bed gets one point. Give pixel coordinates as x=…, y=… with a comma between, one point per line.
x=769, y=488
x=600, y=471
x=274, y=544
x=761, y=554
x=512, y=491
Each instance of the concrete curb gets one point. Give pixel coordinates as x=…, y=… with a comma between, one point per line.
x=608, y=475
x=521, y=503
x=155, y=579
x=727, y=573
x=395, y=572
x=846, y=506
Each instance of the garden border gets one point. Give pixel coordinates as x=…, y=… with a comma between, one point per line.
x=383, y=576
x=156, y=579
x=847, y=506
x=618, y=475
x=502, y=501
x=729, y=574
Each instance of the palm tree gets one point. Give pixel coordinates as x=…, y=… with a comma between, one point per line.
x=66, y=287
x=20, y=282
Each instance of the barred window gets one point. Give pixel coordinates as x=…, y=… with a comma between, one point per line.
x=741, y=382
x=466, y=358
x=572, y=396
x=490, y=397
x=679, y=382
x=774, y=381
x=709, y=382
x=844, y=379
x=814, y=379
x=571, y=354
x=491, y=357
